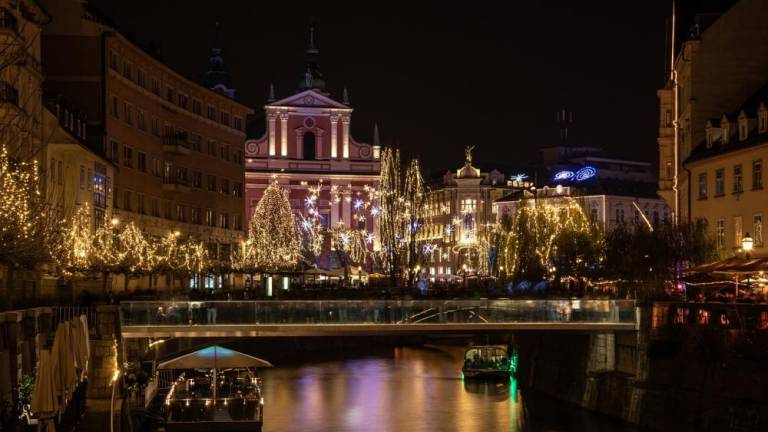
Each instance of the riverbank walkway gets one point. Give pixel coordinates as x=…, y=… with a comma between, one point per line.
x=155, y=319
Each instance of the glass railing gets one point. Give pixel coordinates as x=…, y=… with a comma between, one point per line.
x=354, y=312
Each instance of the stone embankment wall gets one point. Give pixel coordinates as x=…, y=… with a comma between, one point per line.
x=672, y=374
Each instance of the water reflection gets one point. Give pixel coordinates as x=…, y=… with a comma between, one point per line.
x=409, y=390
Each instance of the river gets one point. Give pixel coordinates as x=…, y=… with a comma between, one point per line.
x=409, y=389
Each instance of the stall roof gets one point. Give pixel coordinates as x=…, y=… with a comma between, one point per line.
x=733, y=265
x=214, y=357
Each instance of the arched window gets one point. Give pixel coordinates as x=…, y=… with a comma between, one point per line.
x=309, y=145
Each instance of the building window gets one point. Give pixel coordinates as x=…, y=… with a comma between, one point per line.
x=225, y=186
x=738, y=184
x=82, y=177
x=211, y=183
x=181, y=214
x=237, y=222
x=308, y=146
x=225, y=118
x=619, y=215
x=209, y=217
x=100, y=191
x=113, y=107
x=225, y=152
x=211, y=148
x=196, y=141
x=140, y=120
x=128, y=156
x=127, y=72
x=141, y=77
x=140, y=203
x=720, y=233
x=128, y=113
x=155, y=207
x=238, y=123
x=127, y=200
x=115, y=151
x=183, y=100
x=197, y=179
x=593, y=215
x=703, y=186
x=195, y=215
x=763, y=120
x=738, y=227
x=211, y=112
x=757, y=174
x=757, y=229
x=224, y=220
x=196, y=107
x=113, y=59
x=141, y=161
x=170, y=94
x=237, y=190
x=720, y=182
x=156, y=86
x=157, y=167
x=155, y=126
x=167, y=210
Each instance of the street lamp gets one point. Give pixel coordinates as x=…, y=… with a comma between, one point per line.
x=747, y=243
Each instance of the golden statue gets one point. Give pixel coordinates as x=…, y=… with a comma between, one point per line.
x=468, y=154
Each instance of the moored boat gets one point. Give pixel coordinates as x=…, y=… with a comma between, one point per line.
x=488, y=361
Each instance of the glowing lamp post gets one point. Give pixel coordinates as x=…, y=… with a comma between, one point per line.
x=747, y=243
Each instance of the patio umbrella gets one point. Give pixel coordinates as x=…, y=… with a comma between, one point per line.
x=63, y=361
x=44, y=401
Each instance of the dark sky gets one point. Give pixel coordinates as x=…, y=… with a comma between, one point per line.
x=437, y=77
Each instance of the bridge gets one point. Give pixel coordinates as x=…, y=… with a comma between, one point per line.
x=156, y=319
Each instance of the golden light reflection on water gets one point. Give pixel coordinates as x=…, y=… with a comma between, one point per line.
x=414, y=390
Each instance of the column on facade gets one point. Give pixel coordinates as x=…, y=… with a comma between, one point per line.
x=334, y=133
x=345, y=136
x=347, y=209
x=284, y=134
x=334, y=209
x=272, y=122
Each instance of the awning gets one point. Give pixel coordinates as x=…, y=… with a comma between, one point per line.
x=214, y=357
x=733, y=265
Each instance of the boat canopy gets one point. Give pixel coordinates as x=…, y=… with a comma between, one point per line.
x=214, y=357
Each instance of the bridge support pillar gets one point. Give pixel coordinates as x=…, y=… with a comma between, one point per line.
x=602, y=358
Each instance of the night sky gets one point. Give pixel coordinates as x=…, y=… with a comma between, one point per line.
x=438, y=77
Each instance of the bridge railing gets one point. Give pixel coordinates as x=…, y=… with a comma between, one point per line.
x=176, y=313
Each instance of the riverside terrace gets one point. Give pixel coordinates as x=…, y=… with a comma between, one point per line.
x=360, y=317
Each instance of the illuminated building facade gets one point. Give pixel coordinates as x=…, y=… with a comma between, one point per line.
x=307, y=143
x=459, y=216
x=176, y=145
x=728, y=174
x=717, y=65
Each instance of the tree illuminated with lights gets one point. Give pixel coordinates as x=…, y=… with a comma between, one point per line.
x=274, y=240
x=401, y=203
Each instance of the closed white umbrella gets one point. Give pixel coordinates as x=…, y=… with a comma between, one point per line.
x=45, y=403
x=63, y=361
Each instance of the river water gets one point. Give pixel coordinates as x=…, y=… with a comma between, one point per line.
x=410, y=389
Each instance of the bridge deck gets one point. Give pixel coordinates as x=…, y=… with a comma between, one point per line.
x=326, y=318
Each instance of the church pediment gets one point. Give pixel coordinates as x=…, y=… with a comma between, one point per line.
x=308, y=98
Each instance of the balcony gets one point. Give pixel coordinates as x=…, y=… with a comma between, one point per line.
x=176, y=144
x=175, y=185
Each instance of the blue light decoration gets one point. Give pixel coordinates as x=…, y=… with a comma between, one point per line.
x=585, y=173
x=519, y=177
x=582, y=174
x=564, y=175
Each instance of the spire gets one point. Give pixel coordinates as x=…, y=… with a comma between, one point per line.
x=345, y=98
x=271, y=97
x=376, y=137
x=312, y=78
x=217, y=76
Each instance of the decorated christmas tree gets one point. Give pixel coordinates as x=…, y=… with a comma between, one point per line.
x=274, y=241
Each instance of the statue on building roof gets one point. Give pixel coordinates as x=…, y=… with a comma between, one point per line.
x=468, y=154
